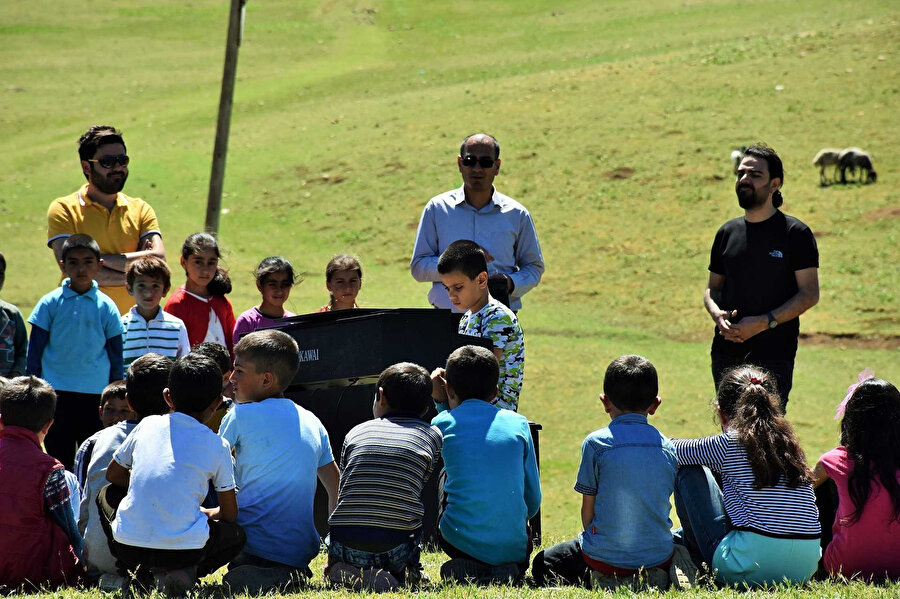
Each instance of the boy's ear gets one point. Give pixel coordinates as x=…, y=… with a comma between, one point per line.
x=654, y=406
x=607, y=403
x=482, y=280
x=382, y=401
x=258, y=285
x=168, y=398
x=100, y=262
x=46, y=427
x=128, y=401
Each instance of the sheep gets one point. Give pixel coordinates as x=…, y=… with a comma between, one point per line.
x=826, y=157
x=854, y=158
x=736, y=157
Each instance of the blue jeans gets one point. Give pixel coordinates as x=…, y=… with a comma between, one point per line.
x=701, y=509
x=393, y=560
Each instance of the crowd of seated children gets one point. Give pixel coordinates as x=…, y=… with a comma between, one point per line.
x=492, y=484
x=463, y=270
x=201, y=301
x=151, y=512
x=627, y=474
x=113, y=408
x=144, y=383
x=375, y=532
x=761, y=526
x=274, y=279
x=280, y=450
x=39, y=541
x=13, y=336
x=149, y=328
x=343, y=279
x=76, y=346
x=858, y=486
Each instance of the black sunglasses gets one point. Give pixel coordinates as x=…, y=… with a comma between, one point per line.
x=482, y=161
x=111, y=161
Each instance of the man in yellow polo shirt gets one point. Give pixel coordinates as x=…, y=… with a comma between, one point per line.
x=125, y=228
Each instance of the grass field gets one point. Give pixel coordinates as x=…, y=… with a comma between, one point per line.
x=616, y=121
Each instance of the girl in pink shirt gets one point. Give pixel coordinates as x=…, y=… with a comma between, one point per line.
x=274, y=279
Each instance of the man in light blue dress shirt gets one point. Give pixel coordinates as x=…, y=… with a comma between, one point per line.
x=478, y=212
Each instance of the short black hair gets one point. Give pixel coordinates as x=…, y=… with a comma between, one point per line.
x=195, y=381
x=145, y=380
x=27, y=401
x=473, y=372
x=776, y=169
x=80, y=241
x=272, y=351
x=631, y=383
x=3, y=260
x=216, y=352
x=494, y=142
x=114, y=390
x=96, y=136
x=463, y=256
x=274, y=264
x=407, y=387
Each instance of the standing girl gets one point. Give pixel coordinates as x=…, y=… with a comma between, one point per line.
x=343, y=279
x=201, y=301
x=866, y=471
x=274, y=279
x=761, y=527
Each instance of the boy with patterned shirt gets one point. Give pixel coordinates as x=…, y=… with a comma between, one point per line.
x=149, y=328
x=463, y=270
x=13, y=338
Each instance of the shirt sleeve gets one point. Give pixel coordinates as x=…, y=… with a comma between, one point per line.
x=803, y=248
x=20, y=344
x=149, y=224
x=112, y=321
x=587, y=481
x=707, y=451
x=82, y=460
x=529, y=259
x=223, y=477
x=241, y=326
x=59, y=222
x=228, y=429
x=42, y=315
x=501, y=330
x=325, y=455
x=716, y=265
x=836, y=463
x=184, y=344
x=532, y=476
x=57, y=502
x=423, y=265
x=125, y=453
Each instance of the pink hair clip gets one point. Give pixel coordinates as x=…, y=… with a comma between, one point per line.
x=863, y=376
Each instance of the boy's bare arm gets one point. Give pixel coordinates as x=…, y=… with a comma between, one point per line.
x=330, y=477
x=228, y=507
x=587, y=510
x=118, y=474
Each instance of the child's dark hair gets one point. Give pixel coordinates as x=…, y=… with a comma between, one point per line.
x=3, y=260
x=27, y=401
x=342, y=262
x=870, y=431
x=473, y=372
x=407, y=387
x=271, y=351
x=195, y=381
x=149, y=266
x=145, y=380
x=631, y=383
x=463, y=256
x=96, y=136
x=201, y=242
x=114, y=390
x=274, y=264
x=747, y=397
x=216, y=352
x=80, y=241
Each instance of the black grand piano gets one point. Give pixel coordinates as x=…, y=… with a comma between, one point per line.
x=342, y=354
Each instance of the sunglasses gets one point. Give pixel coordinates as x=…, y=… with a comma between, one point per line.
x=111, y=161
x=482, y=161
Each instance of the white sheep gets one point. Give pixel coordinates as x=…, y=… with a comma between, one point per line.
x=824, y=158
x=854, y=158
x=736, y=157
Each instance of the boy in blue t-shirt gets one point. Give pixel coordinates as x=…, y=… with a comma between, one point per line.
x=76, y=346
x=280, y=450
x=493, y=486
x=463, y=270
x=626, y=477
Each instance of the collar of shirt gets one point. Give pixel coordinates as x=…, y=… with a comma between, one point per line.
x=121, y=199
x=159, y=312
x=630, y=417
x=69, y=292
x=458, y=198
x=20, y=432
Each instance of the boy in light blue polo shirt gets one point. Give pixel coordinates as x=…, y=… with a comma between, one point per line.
x=626, y=476
x=76, y=346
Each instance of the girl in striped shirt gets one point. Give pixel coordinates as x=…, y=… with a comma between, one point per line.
x=761, y=526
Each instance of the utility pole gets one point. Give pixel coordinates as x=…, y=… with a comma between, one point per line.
x=220, y=151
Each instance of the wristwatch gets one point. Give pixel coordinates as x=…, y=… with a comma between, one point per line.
x=772, y=322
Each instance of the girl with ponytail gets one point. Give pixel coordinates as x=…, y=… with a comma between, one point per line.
x=865, y=470
x=761, y=526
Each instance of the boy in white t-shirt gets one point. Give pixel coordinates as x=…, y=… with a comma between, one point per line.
x=166, y=465
x=280, y=450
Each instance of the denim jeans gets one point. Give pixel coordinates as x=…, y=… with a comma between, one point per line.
x=393, y=560
x=701, y=509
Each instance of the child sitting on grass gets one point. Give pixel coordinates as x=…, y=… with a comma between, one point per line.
x=166, y=464
x=113, y=409
x=865, y=468
x=280, y=450
x=493, y=486
x=39, y=541
x=13, y=336
x=463, y=270
x=274, y=280
x=626, y=476
x=375, y=533
x=144, y=383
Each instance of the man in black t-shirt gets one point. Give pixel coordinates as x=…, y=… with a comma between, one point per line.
x=763, y=274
